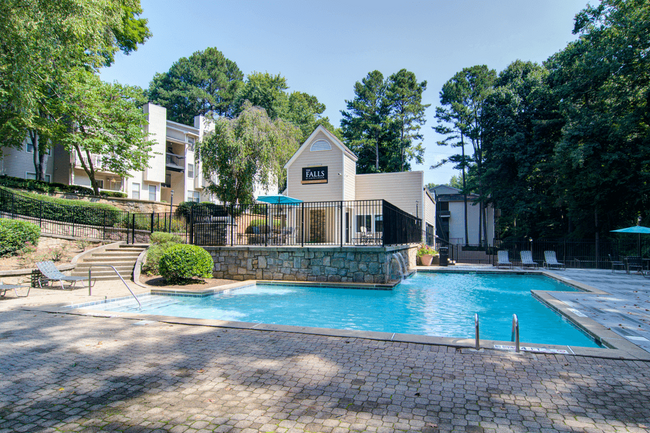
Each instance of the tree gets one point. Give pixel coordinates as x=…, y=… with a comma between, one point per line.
x=205, y=83
x=382, y=122
x=269, y=92
x=404, y=96
x=522, y=125
x=41, y=43
x=105, y=120
x=459, y=118
x=247, y=149
x=603, y=82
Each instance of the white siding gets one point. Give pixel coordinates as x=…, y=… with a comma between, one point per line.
x=332, y=159
x=157, y=118
x=403, y=190
x=17, y=163
x=350, y=177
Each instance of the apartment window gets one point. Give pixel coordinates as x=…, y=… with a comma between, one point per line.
x=29, y=175
x=100, y=183
x=379, y=223
x=135, y=191
x=152, y=192
x=29, y=146
x=364, y=221
x=193, y=196
x=190, y=170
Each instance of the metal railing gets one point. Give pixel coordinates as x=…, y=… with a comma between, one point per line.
x=331, y=223
x=106, y=224
x=118, y=274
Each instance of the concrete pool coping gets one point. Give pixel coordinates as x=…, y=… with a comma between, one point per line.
x=618, y=347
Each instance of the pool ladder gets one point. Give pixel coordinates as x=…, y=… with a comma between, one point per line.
x=514, y=336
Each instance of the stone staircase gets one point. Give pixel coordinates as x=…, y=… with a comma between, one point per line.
x=123, y=257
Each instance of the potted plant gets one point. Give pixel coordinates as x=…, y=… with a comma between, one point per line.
x=425, y=255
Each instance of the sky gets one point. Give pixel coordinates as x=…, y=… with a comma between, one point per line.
x=323, y=48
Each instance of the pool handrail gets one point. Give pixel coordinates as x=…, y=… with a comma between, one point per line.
x=476, y=329
x=515, y=332
x=118, y=274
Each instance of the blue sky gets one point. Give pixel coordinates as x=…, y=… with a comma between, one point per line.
x=324, y=48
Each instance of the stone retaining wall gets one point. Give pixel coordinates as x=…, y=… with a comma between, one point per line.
x=325, y=264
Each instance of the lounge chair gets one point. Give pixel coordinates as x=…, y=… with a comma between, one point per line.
x=616, y=263
x=527, y=259
x=633, y=263
x=502, y=259
x=550, y=261
x=14, y=287
x=51, y=273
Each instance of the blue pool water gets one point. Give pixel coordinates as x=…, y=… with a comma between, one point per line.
x=427, y=304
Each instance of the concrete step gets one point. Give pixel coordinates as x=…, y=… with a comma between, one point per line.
x=103, y=272
x=116, y=254
x=113, y=261
x=98, y=269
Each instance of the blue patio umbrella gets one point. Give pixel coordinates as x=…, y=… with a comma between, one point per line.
x=635, y=229
x=279, y=199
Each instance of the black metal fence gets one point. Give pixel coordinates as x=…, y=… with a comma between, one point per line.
x=89, y=222
x=331, y=223
x=573, y=253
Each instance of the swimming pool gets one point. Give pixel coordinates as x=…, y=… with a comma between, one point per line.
x=434, y=304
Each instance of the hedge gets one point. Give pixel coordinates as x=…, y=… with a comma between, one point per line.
x=59, y=209
x=14, y=234
x=48, y=187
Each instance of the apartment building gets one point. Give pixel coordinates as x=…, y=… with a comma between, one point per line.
x=173, y=175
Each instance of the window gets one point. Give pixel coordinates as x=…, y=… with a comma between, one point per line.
x=29, y=146
x=443, y=205
x=100, y=183
x=364, y=221
x=135, y=191
x=193, y=196
x=152, y=192
x=379, y=223
x=320, y=146
x=29, y=175
x=190, y=170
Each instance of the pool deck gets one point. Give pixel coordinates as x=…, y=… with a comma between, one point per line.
x=69, y=372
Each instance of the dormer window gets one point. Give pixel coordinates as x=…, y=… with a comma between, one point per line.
x=320, y=146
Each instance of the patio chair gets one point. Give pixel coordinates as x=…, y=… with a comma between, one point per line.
x=550, y=261
x=634, y=262
x=527, y=259
x=51, y=273
x=616, y=263
x=502, y=259
x=5, y=287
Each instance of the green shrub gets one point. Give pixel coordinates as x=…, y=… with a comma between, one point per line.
x=161, y=242
x=161, y=238
x=15, y=234
x=182, y=262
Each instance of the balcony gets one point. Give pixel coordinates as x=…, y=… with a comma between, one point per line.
x=444, y=214
x=175, y=162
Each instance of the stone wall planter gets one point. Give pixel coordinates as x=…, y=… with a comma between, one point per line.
x=323, y=264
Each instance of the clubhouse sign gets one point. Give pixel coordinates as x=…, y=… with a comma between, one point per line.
x=314, y=175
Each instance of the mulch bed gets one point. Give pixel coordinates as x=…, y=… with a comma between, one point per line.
x=158, y=281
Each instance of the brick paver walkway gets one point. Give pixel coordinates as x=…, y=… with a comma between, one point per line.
x=79, y=373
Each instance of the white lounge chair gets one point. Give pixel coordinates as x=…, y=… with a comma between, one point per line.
x=527, y=259
x=550, y=261
x=51, y=273
x=502, y=259
x=14, y=287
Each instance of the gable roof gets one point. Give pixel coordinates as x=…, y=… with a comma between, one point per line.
x=330, y=136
